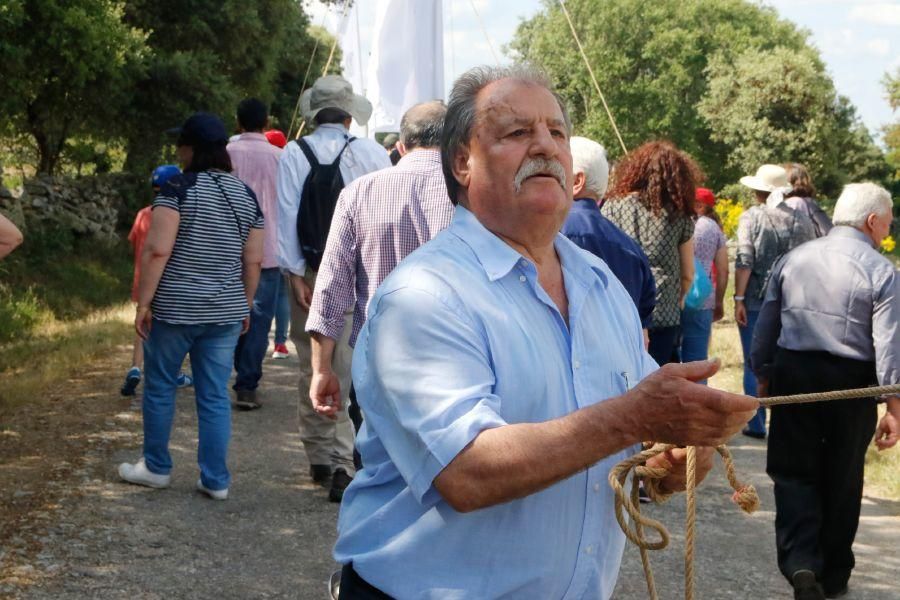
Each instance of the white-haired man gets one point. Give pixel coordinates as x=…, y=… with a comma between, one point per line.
x=830, y=320
x=598, y=235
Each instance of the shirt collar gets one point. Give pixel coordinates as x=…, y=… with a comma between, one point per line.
x=421, y=156
x=585, y=204
x=336, y=127
x=253, y=136
x=498, y=258
x=851, y=232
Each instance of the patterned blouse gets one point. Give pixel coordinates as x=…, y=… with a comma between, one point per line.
x=659, y=238
x=764, y=235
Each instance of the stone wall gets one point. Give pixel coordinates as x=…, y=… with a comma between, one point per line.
x=96, y=207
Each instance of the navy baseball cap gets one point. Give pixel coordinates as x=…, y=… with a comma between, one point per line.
x=163, y=173
x=201, y=129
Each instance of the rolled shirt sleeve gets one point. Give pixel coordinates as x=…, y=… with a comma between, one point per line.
x=334, y=292
x=426, y=390
x=746, y=251
x=886, y=330
x=292, y=172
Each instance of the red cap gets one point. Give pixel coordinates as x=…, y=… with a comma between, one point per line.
x=705, y=196
x=276, y=138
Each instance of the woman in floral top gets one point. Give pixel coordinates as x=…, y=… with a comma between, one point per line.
x=652, y=200
x=766, y=232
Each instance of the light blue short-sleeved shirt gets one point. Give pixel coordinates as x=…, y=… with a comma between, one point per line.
x=461, y=338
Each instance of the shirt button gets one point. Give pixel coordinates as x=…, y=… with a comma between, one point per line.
x=577, y=364
x=523, y=262
x=522, y=278
x=589, y=549
x=597, y=487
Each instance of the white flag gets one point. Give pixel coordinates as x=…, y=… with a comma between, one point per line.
x=407, y=61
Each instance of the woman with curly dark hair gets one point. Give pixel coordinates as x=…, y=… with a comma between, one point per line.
x=652, y=200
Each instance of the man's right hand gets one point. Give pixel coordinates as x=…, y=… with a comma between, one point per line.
x=302, y=292
x=325, y=394
x=673, y=409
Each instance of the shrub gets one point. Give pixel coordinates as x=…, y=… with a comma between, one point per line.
x=729, y=212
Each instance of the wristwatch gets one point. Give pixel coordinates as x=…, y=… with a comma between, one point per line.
x=738, y=298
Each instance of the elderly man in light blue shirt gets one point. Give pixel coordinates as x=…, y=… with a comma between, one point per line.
x=502, y=373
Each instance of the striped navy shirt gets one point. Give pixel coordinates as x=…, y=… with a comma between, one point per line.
x=202, y=282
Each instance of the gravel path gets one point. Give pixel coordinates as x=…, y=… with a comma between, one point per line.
x=70, y=529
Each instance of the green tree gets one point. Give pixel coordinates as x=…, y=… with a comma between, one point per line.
x=208, y=55
x=60, y=60
x=892, y=132
x=650, y=58
x=726, y=80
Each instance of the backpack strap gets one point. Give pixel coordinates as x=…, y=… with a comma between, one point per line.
x=310, y=155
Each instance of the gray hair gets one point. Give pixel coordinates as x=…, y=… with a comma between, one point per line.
x=589, y=157
x=461, y=110
x=422, y=124
x=858, y=201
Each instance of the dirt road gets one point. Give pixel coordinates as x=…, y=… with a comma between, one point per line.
x=70, y=529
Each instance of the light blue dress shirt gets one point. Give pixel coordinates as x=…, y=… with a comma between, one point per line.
x=462, y=338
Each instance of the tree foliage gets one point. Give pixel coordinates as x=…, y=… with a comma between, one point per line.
x=124, y=71
x=60, y=60
x=892, y=132
x=656, y=62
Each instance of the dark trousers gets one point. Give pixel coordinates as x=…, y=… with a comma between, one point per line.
x=354, y=587
x=816, y=457
x=663, y=343
x=252, y=346
x=355, y=415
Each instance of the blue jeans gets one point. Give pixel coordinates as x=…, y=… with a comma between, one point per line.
x=282, y=313
x=696, y=327
x=211, y=348
x=252, y=346
x=758, y=423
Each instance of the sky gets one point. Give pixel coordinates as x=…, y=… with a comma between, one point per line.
x=859, y=40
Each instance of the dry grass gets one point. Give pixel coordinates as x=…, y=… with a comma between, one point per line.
x=58, y=350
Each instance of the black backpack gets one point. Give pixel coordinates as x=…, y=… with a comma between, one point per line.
x=320, y=193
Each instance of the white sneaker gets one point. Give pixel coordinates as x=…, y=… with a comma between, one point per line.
x=138, y=473
x=214, y=494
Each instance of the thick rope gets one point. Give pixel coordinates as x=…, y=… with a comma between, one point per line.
x=485, y=32
x=744, y=496
x=324, y=72
x=587, y=63
x=691, y=514
x=884, y=390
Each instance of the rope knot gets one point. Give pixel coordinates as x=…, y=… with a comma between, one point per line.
x=747, y=498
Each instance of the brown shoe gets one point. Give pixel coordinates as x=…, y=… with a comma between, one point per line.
x=246, y=400
x=339, y=482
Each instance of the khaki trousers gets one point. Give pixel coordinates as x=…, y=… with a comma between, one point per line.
x=326, y=441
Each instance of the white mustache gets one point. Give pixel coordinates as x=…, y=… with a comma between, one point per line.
x=533, y=166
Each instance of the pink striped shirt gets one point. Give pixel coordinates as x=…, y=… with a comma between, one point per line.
x=255, y=162
x=380, y=219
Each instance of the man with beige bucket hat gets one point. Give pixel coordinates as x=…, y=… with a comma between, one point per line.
x=329, y=105
x=766, y=232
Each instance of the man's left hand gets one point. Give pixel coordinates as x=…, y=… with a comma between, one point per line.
x=325, y=394
x=675, y=461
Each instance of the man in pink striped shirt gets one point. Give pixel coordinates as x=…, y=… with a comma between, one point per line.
x=255, y=162
x=380, y=218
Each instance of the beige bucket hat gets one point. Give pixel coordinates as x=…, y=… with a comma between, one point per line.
x=768, y=178
x=333, y=91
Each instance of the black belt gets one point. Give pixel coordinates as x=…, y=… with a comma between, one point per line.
x=354, y=587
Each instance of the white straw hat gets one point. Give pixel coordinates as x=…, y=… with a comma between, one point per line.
x=768, y=178
x=333, y=91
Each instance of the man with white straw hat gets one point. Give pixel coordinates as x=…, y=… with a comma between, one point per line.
x=766, y=232
x=311, y=173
